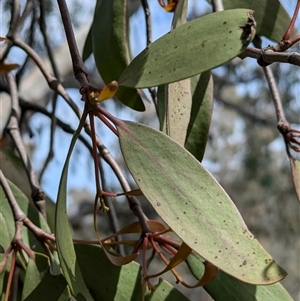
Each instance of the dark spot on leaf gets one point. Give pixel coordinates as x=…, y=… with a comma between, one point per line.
x=237, y=242
x=244, y=262
x=224, y=22
x=240, y=265
x=230, y=31
x=149, y=72
x=184, y=212
x=216, y=257
x=220, y=251
x=175, y=47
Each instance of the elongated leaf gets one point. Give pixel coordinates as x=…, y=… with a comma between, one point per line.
x=5, y=242
x=88, y=45
x=38, y=281
x=190, y=49
x=112, y=283
x=225, y=287
x=271, y=17
x=201, y=111
x=64, y=242
x=175, y=106
x=295, y=167
x=110, y=48
x=194, y=205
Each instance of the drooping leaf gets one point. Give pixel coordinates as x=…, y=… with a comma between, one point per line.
x=39, y=284
x=110, y=48
x=271, y=17
x=295, y=167
x=64, y=242
x=111, y=283
x=190, y=49
x=193, y=204
x=226, y=287
x=201, y=111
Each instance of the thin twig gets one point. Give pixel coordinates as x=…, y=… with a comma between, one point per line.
x=38, y=196
x=148, y=21
x=269, y=56
x=112, y=210
x=147, y=13
x=275, y=94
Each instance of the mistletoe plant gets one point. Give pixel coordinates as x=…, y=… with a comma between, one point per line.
x=211, y=236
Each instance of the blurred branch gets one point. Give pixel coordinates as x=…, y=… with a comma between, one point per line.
x=16, y=23
x=13, y=130
x=245, y=112
x=43, y=28
x=275, y=94
x=79, y=69
x=269, y=56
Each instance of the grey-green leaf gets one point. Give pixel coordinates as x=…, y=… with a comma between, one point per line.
x=271, y=17
x=190, y=49
x=111, y=283
x=110, y=48
x=64, y=242
x=225, y=287
x=39, y=284
x=200, y=117
x=193, y=204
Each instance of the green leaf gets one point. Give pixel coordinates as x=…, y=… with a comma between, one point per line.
x=111, y=283
x=193, y=204
x=295, y=167
x=110, y=48
x=5, y=242
x=175, y=107
x=88, y=46
x=64, y=242
x=39, y=284
x=225, y=287
x=202, y=106
x=175, y=99
x=271, y=17
x=190, y=49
